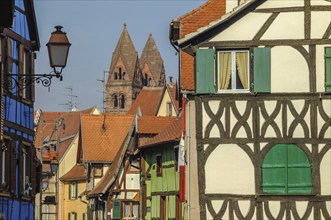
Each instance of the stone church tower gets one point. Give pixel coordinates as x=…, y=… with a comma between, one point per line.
x=151, y=65
x=125, y=78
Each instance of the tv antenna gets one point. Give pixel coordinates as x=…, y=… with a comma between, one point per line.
x=103, y=81
x=71, y=103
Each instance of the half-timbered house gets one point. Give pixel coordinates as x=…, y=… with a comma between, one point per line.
x=19, y=41
x=259, y=117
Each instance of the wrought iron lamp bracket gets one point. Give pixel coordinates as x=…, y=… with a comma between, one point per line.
x=22, y=81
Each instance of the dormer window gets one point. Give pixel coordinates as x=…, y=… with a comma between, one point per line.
x=233, y=70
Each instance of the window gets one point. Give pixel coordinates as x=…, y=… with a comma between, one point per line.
x=122, y=102
x=328, y=69
x=72, y=215
x=124, y=76
x=73, y=190
x=115, y=75
x=3, y=164
x=145, y=79
x=120, y=73
x=169, y=109
x=176, y=157
x=158, y=165
x=130, y=210
x=150, y=82
x=115, y=101
x=233, y=70
x=286, y=170
x=98, y=171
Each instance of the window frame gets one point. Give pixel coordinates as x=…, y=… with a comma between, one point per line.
x=95, y=171
x=233, y=72
x=73, y=190
x=158, y=166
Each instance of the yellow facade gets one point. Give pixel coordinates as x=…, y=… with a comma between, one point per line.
x=74, y=205
x=165, y=109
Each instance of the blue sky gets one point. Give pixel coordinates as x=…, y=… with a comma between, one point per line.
x=93, y=28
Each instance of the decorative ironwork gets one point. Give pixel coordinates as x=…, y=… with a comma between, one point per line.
x=20, y=81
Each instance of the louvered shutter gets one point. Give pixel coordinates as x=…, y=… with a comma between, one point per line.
x=117, y=209
x=299, y=171
x=274, y=171
x=328, y=69
x=204, y=68
x=262, y=70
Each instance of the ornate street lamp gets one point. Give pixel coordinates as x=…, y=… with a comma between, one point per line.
x=58, y=50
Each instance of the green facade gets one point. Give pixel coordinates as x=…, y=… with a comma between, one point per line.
x=166, y=185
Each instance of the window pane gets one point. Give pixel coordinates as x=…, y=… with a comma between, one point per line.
x=135, y=210
x=225, y=68
x=127, y=210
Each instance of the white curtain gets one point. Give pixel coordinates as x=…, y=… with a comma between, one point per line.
x=242, y=65
x=225, y=63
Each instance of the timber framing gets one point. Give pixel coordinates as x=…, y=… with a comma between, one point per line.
x=256, y=135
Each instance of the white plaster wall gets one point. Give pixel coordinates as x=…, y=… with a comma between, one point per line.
x=270, y=108
x=286, y=26
x=244, y=29
x=298, y=132
x=326, y=174
x=289, y=70
x=320, y=21
x=230, y=5
x=229, y=170
x=281, y=4
x=320, y=2
x=132, y=181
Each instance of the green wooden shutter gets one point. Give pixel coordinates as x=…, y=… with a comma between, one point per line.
x=204, y=67
x=262, y=70
x=328, y=69
x=69, y=193
x=274, y=171
x=117, y=209
x=299, y=171
x=286, y=170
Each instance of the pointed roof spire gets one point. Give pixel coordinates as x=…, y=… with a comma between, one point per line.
x=126, y=50
x=152, y=57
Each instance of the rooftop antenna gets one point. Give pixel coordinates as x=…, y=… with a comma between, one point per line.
x=72, y=105
x=103, y=81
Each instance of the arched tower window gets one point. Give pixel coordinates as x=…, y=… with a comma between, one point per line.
x=286, y=170
x=120, y=76
x=122, y=101
x=115, y=75
x=150, y=82
x=124, y=76
x=145, y=79
x=115, y=101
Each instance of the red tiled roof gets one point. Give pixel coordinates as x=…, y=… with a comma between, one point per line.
x=46, y=130
x=111, y=174
x=153, y=124
x=190, y=22
x=101, y=141
x=76, y=173
x=172, y=133
x=148, y=100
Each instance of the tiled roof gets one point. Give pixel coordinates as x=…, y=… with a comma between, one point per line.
x=152, y=57
x=172, y=89
x=148, y=100
x=76, y=173
x=126, y=50
x=102, y=136
x=190, y=22
x=153, y=124
x=46, y=130
x=111, y=174
x=172, y=133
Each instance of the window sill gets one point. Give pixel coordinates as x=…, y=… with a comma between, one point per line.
x=230, y=91
x=5, y=194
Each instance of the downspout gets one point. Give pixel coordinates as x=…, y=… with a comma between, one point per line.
x=188, y=153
